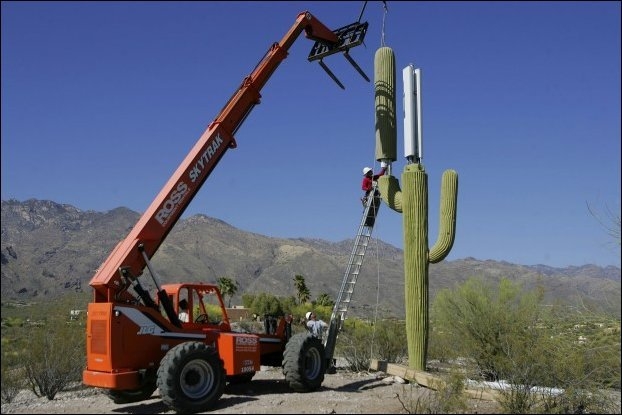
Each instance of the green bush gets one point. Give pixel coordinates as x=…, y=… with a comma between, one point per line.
x=12, y=376
x=443, y=397
x=508, y=334
x=491, y=326
x=54, y=358
x=354, y=344
x=266, y=304
x=48, y=352
x=360, y=341
x=390, y=342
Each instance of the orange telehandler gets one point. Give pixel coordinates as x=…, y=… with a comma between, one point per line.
x=136, y=343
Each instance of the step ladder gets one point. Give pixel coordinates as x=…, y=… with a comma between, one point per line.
x=353, y=269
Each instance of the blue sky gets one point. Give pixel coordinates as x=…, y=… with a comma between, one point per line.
x=102, y=100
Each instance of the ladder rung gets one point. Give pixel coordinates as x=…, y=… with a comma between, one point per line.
x=356, y=258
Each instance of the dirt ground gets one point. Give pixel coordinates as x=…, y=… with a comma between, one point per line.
x=341, y=393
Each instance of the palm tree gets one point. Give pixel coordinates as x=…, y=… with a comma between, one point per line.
x=325, y=300
x=228, y=288
x=302, y=292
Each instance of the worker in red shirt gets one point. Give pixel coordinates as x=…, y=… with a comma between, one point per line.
x=368, y=180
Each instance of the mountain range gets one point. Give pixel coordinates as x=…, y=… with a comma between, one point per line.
x=50, y=248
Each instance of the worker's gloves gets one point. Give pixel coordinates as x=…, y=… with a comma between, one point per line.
x=384, y=164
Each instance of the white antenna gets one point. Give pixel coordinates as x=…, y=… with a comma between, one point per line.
x=413, y=145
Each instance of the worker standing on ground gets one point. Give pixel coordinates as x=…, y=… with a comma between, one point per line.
x=369, y=178
x=314, y=325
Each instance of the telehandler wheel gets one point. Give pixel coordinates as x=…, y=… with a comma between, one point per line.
x=304, y=363
x=191, y=377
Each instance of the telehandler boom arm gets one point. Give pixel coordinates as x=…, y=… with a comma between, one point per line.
x=128, y=259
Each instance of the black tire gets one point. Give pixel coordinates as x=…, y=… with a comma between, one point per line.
x=191, y=377
x=304, y=363
x=131, y=396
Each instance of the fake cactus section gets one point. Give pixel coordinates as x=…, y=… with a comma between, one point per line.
x=384, y=87
x=412, y=202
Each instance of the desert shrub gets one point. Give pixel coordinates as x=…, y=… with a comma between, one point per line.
x=494, y=327
x=55, y=358
x=13, y=322
x=325, y=300
x=47, y=351
x=354, y=344
x=443, y=397
x=576, y=401
x=439, y=345
x=288, y=304
x=389, y=341
x=323, y=312
x=12, y=378
x=247, y=299
x=450, y=392
x=360, y=341
x=55, y=354
x=508, y=335
x=266, y=304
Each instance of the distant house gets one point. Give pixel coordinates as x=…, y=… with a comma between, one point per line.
x=238, y=313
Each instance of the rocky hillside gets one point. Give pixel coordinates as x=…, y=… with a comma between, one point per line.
x=50, y=248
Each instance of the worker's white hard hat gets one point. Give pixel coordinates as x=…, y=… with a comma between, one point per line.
x=308, y=315
x=366, y=170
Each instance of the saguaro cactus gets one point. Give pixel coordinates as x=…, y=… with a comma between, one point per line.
x=412, y=202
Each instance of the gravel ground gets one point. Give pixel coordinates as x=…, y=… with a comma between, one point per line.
x=341, y=393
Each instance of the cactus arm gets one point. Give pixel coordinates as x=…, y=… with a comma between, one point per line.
x=447, y=228
x=390, y=192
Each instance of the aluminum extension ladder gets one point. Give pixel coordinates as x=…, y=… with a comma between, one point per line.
x=353, y=269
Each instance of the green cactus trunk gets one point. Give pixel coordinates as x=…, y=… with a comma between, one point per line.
x=415, y=221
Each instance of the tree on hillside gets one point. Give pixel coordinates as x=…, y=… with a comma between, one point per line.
x=609, y=220
x=302, y=292
x=228, y=288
